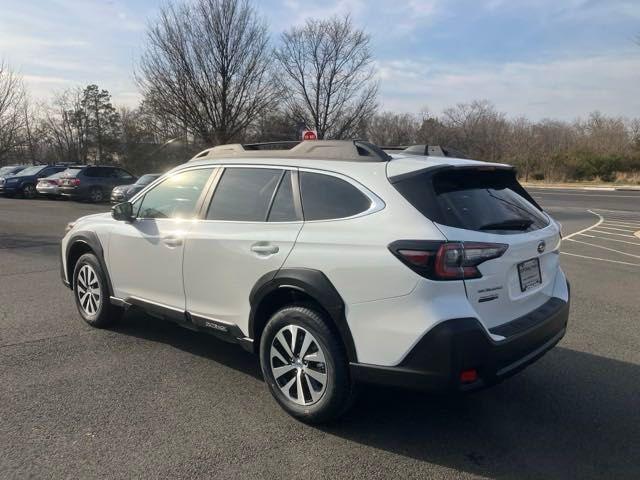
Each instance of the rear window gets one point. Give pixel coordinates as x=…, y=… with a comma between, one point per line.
x=483, y=200
x=71, y=172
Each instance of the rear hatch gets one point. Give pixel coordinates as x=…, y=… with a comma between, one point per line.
x=69, y=177
x=486, y=205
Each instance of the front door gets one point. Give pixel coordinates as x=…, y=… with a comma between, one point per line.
x=145, y=255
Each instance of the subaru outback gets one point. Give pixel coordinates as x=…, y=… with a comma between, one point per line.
x=336, y=263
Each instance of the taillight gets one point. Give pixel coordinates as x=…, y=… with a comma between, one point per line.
x=446, y=260
x=75, y=181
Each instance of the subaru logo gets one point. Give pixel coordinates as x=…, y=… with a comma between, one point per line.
x=541, y=246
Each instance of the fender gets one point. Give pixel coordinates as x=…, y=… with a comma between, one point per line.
x=91, y=240
x=311, y=282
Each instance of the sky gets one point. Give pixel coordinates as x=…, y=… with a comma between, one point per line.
x=536, y=58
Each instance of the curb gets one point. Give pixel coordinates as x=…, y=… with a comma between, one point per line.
x=627, y=188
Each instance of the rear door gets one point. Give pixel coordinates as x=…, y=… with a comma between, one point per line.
x=250, y=227
x=488, y=205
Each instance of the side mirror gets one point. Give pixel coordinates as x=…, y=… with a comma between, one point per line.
x=122, y=211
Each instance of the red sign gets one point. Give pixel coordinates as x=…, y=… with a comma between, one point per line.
x=309, y=135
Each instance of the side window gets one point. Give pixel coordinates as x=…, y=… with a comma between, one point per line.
x=95, y=172
x=283, y=208
x=244, y=194
x=176, y=197
x=325, y=197
x=120, y=173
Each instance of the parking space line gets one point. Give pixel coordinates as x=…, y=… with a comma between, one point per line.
x=622, y=224
x=610, y=239
x=624, y=212
x=601, y=259
x=611, y=233
x=616, y=228
x=586, y=195
x=604, y=248
x=600, y=220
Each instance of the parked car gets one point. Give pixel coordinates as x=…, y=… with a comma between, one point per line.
x=9, y=170
x=336, y=263
x=49, y=186
x=125, y=192
x=24, y=182
x=93, y=183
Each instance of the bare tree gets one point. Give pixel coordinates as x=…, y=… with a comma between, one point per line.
x=207, y=66
x=389, y=128
x=68, y=126
x=12, y=98
x=327, y=73
x=477, y=128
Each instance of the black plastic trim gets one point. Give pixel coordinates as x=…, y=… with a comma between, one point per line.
x=452, y=346
x=313, y=283
x=93, y=242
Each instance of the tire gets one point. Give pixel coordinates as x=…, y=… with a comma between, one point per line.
x=29, y=191
x=93, y=303
x=96, y=195
x=317, y=402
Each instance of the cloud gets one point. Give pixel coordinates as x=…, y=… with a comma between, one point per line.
x=561, y=88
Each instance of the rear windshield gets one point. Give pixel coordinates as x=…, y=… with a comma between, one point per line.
x=71, y=172
x=483, y=200
x=146, y=179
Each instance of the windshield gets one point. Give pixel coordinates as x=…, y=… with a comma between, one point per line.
x=146, y=179
x=29, y=171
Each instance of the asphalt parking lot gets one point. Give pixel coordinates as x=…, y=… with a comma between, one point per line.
x=149, y=399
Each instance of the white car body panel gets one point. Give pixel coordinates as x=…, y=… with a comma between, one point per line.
x=145, y=260
x=220, y=268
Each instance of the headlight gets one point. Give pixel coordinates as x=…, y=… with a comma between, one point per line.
x=11, y=180
x=69, y=226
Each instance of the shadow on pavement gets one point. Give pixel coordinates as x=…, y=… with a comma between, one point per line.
x=140, y=325
x=570, y=415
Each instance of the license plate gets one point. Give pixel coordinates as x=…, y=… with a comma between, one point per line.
x=529, y=273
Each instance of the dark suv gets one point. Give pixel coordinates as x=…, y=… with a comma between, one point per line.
x=93, y=183
x=24, y=182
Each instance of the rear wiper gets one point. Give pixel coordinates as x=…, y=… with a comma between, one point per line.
x=512, y=224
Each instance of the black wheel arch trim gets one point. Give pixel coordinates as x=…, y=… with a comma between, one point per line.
x=91, y=240
x=311, y=282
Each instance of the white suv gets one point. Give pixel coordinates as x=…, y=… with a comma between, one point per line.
x=336, y=263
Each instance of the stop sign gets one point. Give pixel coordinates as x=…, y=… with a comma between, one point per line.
x=309, y=135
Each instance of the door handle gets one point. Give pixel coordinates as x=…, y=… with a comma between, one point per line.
x=262, y=249
x=172, y=241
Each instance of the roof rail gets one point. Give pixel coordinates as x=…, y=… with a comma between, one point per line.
x=433, y=151
x=346, y=150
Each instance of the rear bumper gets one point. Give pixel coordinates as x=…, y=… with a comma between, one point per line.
x=71, y=192
x=453, y=346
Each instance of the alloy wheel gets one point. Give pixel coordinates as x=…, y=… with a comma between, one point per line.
x=29, y=191
x=88, y=290
x=96, y=195
x=298, y=365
